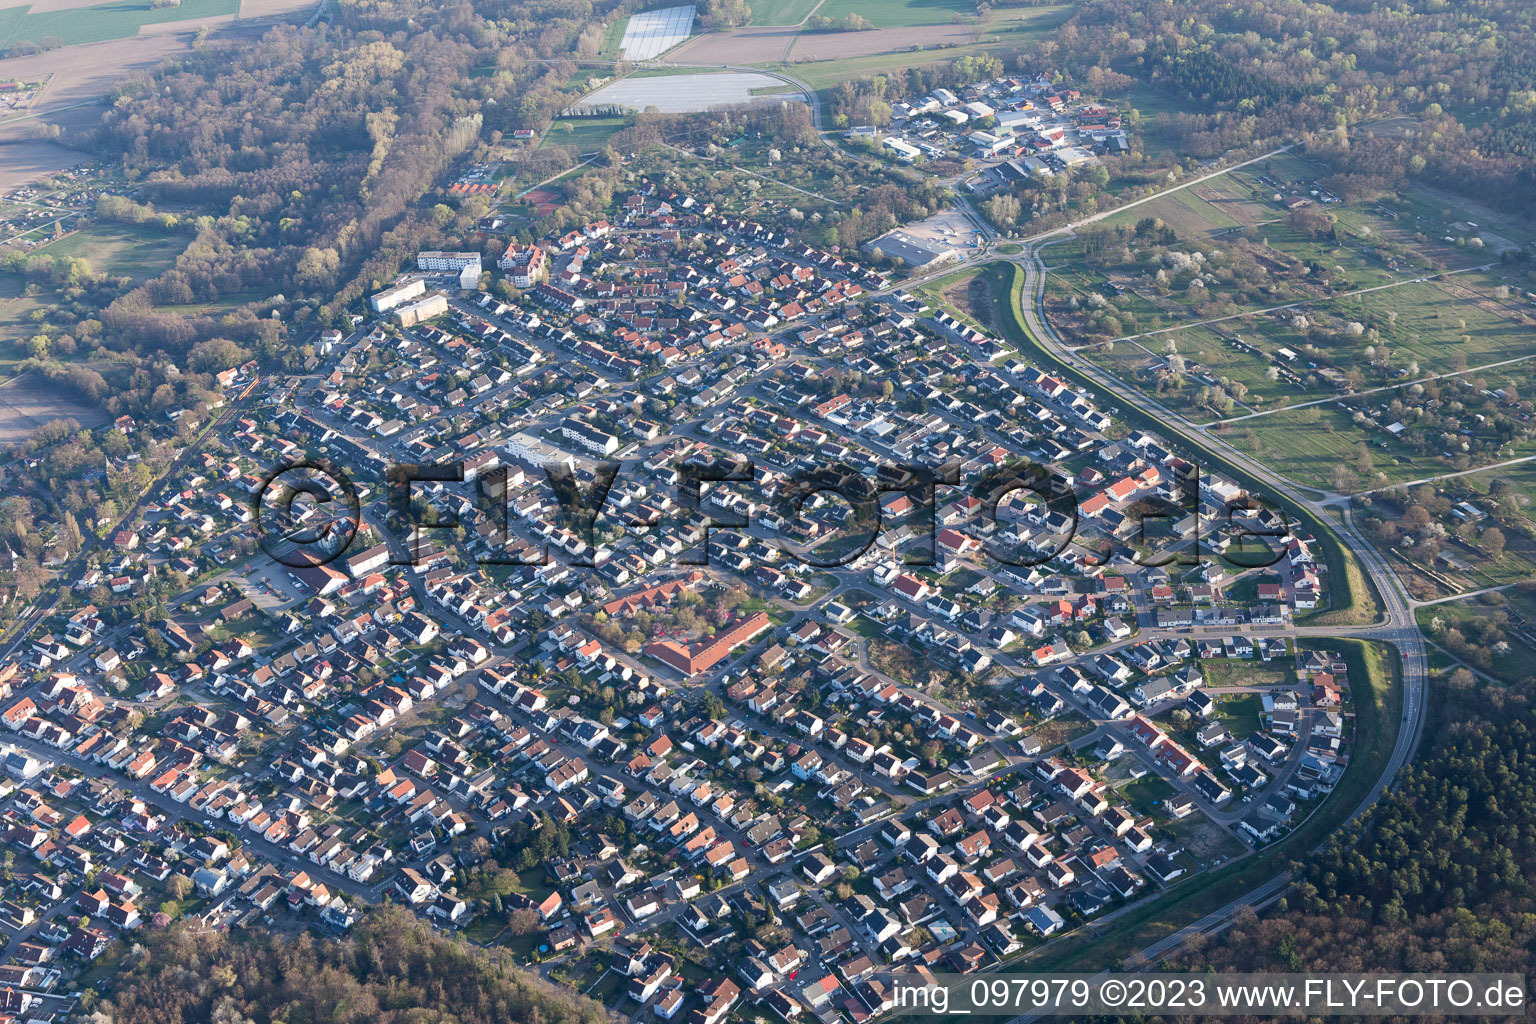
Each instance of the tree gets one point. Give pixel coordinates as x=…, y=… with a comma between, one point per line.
x=1003, y=210
x=1364, y=464
x=524, y=921
x=1493, y=542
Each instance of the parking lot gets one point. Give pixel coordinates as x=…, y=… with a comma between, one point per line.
x=267, y=584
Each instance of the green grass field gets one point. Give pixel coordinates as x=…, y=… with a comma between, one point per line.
x=581, y=79
x=1146, y=793
x=1018, y=25
x=586, y=134
x=898, y=13
x=1427, y=322
x=11, y=19
x=1207, y=354
x=781, y=12
x=1001, y=35
x=120, y=249
x=117, y=20
x=1240, y=711
x=613, y=35
x=1188, y=213
x=1305, y=445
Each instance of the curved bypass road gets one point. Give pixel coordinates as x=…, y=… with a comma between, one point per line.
x=1397, y=627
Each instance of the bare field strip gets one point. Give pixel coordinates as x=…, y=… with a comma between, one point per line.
x=186, y=25
x=740, y=46
x=47, y=6
x=273, y=8
x=675, y=94
x=838, y=45
x=24, y=160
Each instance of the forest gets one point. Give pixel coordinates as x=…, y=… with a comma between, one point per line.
x=1240, y=76
x=391, y=969
x=1265, y=72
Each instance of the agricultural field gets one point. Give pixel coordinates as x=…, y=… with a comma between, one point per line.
x=31, y=400
x=72, y=101
x=271, y=8
x=781, y=12
x=899, y=13
x=135, y=251
x=584, y=134
x=679, y=93
x=96, y=23
x=904, y=37
x=754, y=45
x=11, y=19
x=829, y=46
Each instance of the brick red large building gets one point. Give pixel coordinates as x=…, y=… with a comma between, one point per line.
x=703, y=657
